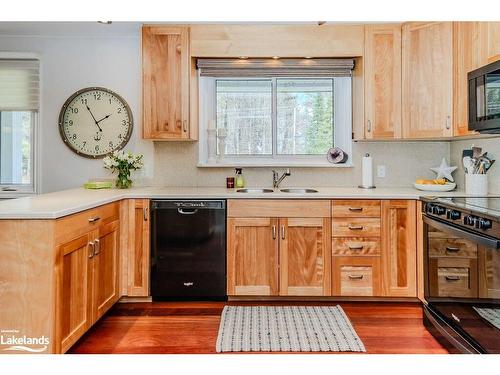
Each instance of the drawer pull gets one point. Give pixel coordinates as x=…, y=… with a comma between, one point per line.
x=452, y=249
x=355, y=277
x=97, y=246
x=94, y=219
x=355, y=227
x=282, y=232
x=145, y=213
x=92, y=249
x=356, y=247
x=274, y=232
x=356, y=209
x=452, y=278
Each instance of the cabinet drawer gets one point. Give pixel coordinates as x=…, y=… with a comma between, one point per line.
x=77, y=224
x=302, y=208
x=452, y=247
x=453, y=277
x=356, y=208
x=356, y=276
x=356, y=227
x=355, y=246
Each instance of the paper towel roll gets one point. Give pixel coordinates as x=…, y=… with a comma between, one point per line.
x=367, y=172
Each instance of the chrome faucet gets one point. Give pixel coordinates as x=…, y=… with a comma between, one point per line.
x=277, y=180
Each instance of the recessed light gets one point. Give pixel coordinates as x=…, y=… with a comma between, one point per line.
x=321, y=23
x=276, y=57
x=308, y=57
x=243, y=57
x=105, y=22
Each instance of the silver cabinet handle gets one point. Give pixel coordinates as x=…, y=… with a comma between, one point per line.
x=356, y=209
x=452, y=278
x=94, y=219
x=181, y=211
x=356, y=247
x=452, y=249
x=97, y=246
x=355, y=227
x=355, y=277
x=447, y=122
x=92, y=249
x=369, y=126
x=145, y=212
x=282, y=232
x=184, y=126
x=274, y=232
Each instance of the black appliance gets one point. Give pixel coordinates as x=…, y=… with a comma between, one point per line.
x=188, y=250
x=462, y=272
x=484, y=99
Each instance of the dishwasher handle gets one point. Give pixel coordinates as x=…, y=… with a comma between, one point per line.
x=183, y=211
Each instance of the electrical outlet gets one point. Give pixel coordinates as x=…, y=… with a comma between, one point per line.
x=381, y=171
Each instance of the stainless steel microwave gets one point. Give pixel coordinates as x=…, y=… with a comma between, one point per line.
x=484, y=99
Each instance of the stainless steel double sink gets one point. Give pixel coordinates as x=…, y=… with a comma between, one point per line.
x=294, y=191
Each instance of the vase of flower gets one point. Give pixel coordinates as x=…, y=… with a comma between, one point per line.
x=123, y=163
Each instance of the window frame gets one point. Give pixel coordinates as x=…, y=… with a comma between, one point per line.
x=22, y=190
x=342, y=122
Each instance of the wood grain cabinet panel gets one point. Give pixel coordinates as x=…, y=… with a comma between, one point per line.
x=382, y=64
x=453, y=277
x=489, y=273
x=356, y=227
x=356, y=246
x=166, y=82
x=356, y=276
x=305, y=256
x=452, y=247
x=399, y=258
x=73, y=292
x=489, y=42
x=355, y=208
x=427, y=94
x=252, y=256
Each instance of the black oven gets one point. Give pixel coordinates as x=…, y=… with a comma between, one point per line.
x=462, y=279
x=484, y=99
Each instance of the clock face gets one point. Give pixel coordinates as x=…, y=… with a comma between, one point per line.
x=95, y=122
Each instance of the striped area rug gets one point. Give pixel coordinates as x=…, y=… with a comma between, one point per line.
x=286, y=329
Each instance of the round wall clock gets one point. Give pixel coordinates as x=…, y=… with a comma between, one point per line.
x=95, y=122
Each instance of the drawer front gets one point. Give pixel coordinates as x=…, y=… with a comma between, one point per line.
x=453, y=277
x=356, y=227
x=302, y=208
x=355, y=246
x=453, y=282
x=356, y=281
x=76, y=224
x=452, y=247
x=356, y=208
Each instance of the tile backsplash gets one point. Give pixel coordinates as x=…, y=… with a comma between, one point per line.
x=175, y=165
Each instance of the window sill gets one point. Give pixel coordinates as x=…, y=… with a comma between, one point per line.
x=273, y=163
x=15, y=194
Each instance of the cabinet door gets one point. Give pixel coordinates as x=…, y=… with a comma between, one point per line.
x=138, y=256
x=166, y=72
x=427, y=80
x=489, y=42
x=383, y=81
x=105, y=268
x=74, y=292
x=252, y=256
x=305, y=252
x=465, y=59
x=399, y=258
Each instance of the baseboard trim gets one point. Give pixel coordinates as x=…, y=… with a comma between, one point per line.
x=323, y=299
x=127, y=299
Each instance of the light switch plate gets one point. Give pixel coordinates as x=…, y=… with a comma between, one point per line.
x=381, y=171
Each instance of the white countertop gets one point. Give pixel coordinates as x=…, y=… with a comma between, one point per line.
x=66, y=202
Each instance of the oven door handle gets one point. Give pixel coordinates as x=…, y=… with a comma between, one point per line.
x=485, y=241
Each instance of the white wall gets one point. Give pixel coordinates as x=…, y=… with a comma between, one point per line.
x=70, y=63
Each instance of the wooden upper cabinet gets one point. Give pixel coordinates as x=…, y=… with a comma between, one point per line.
x=399, y=269
x=74, y=292
x=382, y=64
x=252, y=256
x=427, y=97
x=166, y=82
x=305, y=256
x=106, y=291
x=489, y=42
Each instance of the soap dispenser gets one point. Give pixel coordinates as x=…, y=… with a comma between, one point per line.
x=239, y=179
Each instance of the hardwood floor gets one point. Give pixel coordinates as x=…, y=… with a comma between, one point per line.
x=191, y=327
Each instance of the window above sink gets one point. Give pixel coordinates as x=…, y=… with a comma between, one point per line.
x=273, y=120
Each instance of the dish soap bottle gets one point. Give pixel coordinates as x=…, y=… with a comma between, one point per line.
x=239, y=179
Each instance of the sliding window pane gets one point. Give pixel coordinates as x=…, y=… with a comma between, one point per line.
x=15, y=147
x=304, y=116
x=244, y=109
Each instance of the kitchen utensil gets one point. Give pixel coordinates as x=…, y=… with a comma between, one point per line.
x=468, y=164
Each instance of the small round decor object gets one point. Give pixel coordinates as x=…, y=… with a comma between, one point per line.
x=95, y=121
x=336, y=155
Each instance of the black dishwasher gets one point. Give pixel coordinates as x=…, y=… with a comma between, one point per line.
x=188, y=249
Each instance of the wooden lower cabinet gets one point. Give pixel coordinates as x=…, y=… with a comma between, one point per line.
x=252, y=256
x=74, y=292
x=305, y=256
x=453, y=277
x=357, y=276
x=399, y=248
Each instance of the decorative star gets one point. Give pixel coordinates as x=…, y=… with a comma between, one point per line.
x=444, y=170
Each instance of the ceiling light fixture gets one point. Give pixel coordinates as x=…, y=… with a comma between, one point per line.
x=105, y=22
x=321, y=23
x=276, y=57
x=243, y=57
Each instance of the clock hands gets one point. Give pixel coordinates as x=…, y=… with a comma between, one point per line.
x=104, y=118
x=93, y=117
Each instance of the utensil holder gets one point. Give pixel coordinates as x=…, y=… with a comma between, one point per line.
x=476, y=184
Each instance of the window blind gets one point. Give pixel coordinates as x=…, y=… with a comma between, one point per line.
x=19, y=85
x=275, y=68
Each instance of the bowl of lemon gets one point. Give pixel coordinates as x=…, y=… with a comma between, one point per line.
x=438, y=184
